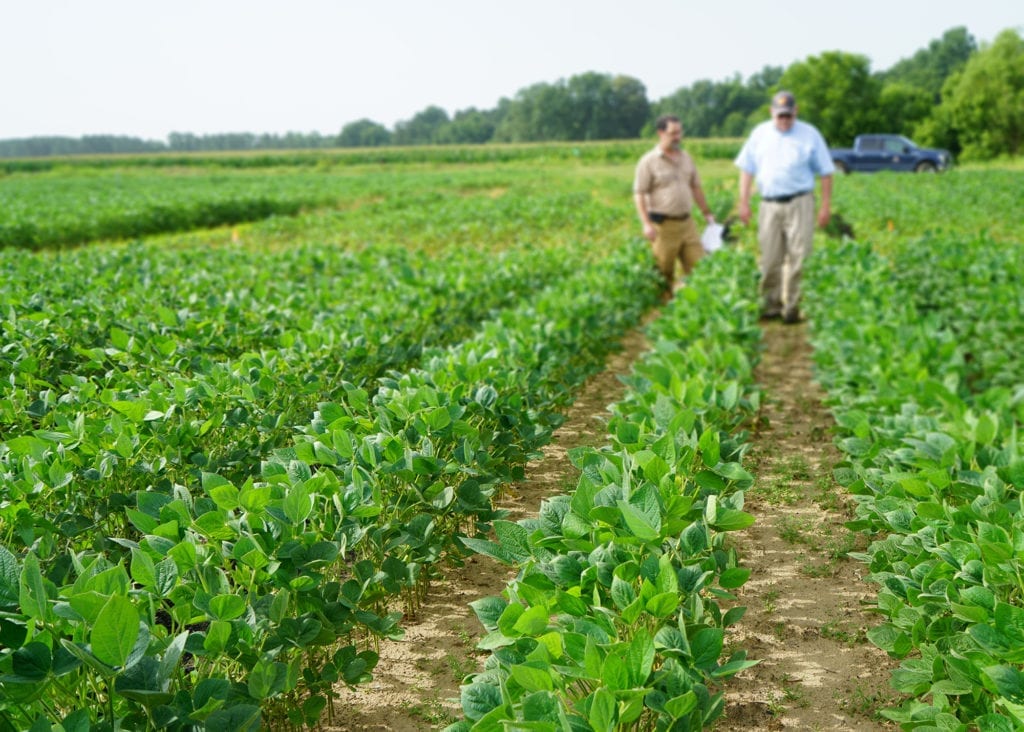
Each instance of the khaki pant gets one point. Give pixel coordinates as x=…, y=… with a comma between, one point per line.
x=676, y=240
x=785, y=232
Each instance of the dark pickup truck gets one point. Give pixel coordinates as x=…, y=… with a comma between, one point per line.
x=889, y=152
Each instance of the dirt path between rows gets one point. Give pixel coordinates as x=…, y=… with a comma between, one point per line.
x=416, y=684
x=805, y=600
x=804, y=617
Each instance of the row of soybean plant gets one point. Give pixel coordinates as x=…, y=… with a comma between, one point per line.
x=65, y=209
x=130, y=371
x=224, y=603
x=617, y=615
x=920, y=355
x=73, y=206
x=136, y=369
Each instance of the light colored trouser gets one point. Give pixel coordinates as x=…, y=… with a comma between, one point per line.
x=785, y=232
x=676, y=240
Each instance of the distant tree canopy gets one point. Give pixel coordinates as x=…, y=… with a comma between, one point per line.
x=364, y=133
x=984, y=102
x=928, y=69
x=422, y=129
x=837, y=93
x=31, y=147
x=589, y=106
x=721, y=108
x=951, y=94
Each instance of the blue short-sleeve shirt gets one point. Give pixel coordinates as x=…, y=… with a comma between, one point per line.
x=784, y=163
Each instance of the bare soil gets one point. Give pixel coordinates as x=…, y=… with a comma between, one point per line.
x=805, y=620
x=806, y=602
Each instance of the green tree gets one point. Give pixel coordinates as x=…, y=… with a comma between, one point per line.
x=929, y=68
x=602, y=107
x=985, y=101
x=719, y=108
x=588, y=106
x=629, y=107
x=836, y=92
x=183, y=142
x=901, y=108
x=423, y=129
x=538, y=112
x=364, y=133
x=469, y=126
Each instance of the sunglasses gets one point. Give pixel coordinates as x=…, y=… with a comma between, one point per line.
x=784, y=115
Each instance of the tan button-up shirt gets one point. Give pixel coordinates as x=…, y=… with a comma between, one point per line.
x=666, y=183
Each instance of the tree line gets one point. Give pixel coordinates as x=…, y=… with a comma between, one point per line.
x=952, y=93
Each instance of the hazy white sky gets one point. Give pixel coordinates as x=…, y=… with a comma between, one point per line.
x=146, y=68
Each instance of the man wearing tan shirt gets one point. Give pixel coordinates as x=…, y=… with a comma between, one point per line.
x=664, y=190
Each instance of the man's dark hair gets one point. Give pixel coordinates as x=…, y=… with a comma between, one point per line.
x=661, y=124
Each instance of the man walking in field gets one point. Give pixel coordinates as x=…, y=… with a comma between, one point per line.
x=664, y=190
x=784, y=155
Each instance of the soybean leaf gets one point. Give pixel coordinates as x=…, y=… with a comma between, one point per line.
x=513, y=539
x=663, y=604
x=488, y=610
x=33, y=597
x=710, y=448
x=615, y=673
x=602, y=710
x=166, y=577
x=542, y=706
x=640, y=658
x=227, y=607
x=266, y=679
x=707, y=647
x=532, y=678
x=1008, y=681
x=479, y=699
x=170, y=659
x=240, y=717
x=639, y=524
x=298, y=504
x=32, y=662
x=217, y=637
x=732, y=578
x=532, y=622
x=729, y=519
x=508, y=618
x=143, y=569
x=115, y=632
x=681, y=705
x=142, y=683
x=732, y=668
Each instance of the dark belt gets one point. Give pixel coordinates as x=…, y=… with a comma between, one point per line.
x=784, y=199
x=658, y=217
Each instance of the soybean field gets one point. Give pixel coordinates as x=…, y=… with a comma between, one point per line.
x=260, y=413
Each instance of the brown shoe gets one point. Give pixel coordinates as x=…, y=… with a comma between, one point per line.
x=792, y=318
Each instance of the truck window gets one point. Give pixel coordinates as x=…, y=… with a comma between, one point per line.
x=871, y=144
x=894, y=145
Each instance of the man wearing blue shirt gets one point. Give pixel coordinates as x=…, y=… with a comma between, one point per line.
x=784, y=155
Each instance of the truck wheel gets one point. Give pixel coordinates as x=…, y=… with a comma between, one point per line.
x=925, y=166
x=842, y=167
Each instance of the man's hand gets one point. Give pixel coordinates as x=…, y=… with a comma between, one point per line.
x=825, y=209
x=650, y=232
x=744, y=212
x=824, y=215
